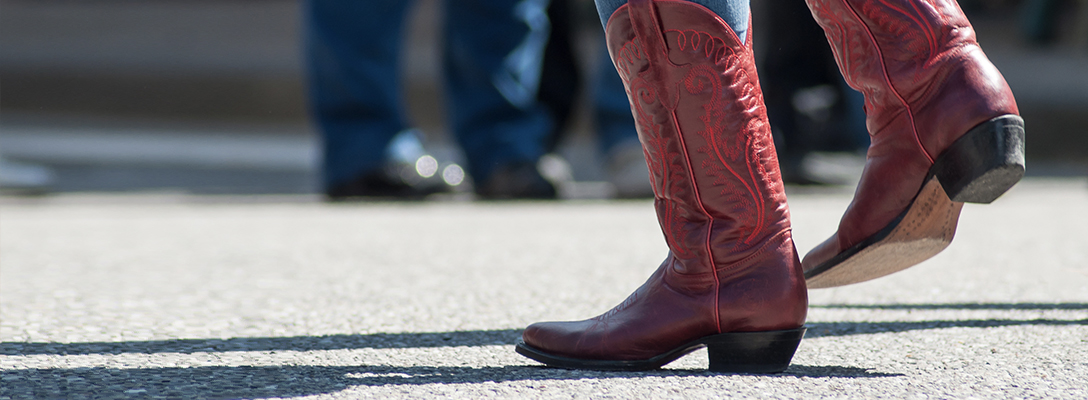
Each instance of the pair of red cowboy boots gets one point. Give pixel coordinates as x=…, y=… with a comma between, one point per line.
x=944, y=130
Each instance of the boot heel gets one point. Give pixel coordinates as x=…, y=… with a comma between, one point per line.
x=983, y=164
x=753, y=352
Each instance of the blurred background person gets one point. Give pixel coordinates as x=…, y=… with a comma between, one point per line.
x=1045, y=22
x=563, y=81
x=809, y=106
x=23, y=178
x=183, y=97
x=491, y=68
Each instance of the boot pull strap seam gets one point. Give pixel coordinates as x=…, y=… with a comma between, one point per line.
x=642, y=14
x=647, y=28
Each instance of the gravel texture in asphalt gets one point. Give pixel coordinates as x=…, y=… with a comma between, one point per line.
x=160, y=296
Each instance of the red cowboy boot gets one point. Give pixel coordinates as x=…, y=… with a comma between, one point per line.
x=732, y=280
x=944, y=130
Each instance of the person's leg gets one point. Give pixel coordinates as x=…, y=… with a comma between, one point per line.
x=351, y=52
x=493, y=55
x=561, y=79
x=944, y=130
x=732, y=280
x=796, y=59
x=735, y=13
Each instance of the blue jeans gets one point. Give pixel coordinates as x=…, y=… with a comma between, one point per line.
x=492, y=52
x=734, y=12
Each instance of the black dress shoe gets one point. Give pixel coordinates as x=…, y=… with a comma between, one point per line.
x=377, y=185
x=516, y=181
x=394, y=181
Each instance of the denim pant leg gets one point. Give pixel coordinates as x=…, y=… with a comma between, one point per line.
x=351, y=50
x=493, y=55
x=734, y=12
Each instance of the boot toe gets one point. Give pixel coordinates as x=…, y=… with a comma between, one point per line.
x=556, y=338
x=820, y=254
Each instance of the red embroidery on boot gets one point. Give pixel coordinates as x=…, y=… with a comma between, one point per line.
x=664, y=173
x=725, y=132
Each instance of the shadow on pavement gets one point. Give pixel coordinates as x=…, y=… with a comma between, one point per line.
x=301, y=380
x=501, y=337
x=294, y=343
x=832, y=329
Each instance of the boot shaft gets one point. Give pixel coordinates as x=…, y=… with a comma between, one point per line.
x=919, y=66
x=699, y=113
x=732, y=268
x=895, y=37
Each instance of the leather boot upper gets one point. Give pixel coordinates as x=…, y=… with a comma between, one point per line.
x=719, y=198
x=926, y=82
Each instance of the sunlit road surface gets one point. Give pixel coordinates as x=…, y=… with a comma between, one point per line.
x=175, y=296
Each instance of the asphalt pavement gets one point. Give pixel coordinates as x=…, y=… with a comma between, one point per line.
x=165, y=295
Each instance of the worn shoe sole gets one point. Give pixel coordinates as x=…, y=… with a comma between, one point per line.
x=978, y=168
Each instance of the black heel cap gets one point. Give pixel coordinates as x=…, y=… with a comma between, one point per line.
x=985, y=163
x=753, y=352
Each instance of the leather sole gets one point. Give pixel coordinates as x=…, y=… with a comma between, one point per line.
x=738, y=352
x=978, y=168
